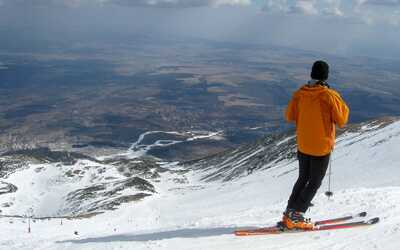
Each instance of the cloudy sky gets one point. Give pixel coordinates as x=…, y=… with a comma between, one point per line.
x=346, y=27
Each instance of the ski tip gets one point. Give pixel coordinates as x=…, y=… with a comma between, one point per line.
x=373, y=221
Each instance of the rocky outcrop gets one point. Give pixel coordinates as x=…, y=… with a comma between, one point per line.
x=107, y=196
x=145, y=167
x=6, y=188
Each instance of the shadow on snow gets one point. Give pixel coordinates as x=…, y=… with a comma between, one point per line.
x=181, y=233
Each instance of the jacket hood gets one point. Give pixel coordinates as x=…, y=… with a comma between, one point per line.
x=312, y=90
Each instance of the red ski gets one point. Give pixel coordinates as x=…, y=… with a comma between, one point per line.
x=330, y=224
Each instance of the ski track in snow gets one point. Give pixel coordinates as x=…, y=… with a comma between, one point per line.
x=198, y=215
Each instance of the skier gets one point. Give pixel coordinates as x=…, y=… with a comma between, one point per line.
x=315, y=109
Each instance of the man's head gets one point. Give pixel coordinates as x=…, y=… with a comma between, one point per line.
x=320, y=71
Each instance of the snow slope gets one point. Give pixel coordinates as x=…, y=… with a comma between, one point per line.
x=194, y=214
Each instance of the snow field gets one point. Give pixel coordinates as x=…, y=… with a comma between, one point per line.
x=198, y=215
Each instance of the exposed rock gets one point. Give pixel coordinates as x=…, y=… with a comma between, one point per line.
x=112, y=205
x=39, y=169
x=6, y=188
x=7, y=204
x=106, y=196
x=45, y=155
x=9, y=165
x=145, y=167
x=86, y=193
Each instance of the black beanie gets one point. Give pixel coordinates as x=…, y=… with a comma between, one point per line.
x=320, y=71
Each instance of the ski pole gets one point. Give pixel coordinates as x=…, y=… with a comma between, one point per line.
x=329, y=193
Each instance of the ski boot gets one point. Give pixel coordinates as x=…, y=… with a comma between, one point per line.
x=294, y=220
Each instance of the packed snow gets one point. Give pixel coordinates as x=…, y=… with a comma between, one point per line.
x=193, y=214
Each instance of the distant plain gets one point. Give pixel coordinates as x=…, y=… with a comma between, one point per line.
x=103, y=95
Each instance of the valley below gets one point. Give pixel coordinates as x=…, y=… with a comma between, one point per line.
x=101, y=97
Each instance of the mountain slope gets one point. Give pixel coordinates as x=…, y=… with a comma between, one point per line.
x=55, y=183
x=200, y=209
x=278, y=149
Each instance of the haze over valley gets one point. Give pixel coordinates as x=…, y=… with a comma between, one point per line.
x=106, y=95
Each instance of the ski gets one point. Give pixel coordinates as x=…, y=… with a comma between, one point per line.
x=347, y=225
x=341, y=219
x=277, y=230
x=329, y=224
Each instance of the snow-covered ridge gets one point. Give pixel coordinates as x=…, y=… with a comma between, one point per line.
x=77, y=184
x=280, y=149
x=187, y=212
x=54, y=183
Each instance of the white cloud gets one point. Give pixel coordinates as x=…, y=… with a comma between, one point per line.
x=143, y=3
x=231, y=2
x=383, y=2
x=368, y=11
x=179, y=3
x=307, y=7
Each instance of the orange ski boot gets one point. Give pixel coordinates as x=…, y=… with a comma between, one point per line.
x=295, y=220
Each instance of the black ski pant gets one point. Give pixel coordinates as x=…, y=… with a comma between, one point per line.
x=312, y=170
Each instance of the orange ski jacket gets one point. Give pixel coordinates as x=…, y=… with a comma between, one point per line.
x=316, y=110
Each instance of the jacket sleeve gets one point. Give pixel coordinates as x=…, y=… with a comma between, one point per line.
x=340, y=111
x=291, y=110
